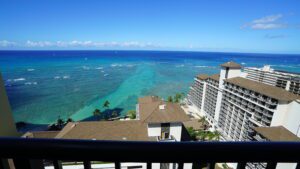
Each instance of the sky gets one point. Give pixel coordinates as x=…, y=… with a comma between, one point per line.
x=255, y=26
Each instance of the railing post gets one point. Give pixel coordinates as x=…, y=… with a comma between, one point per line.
x=241, y=165
x=1, y=163
x=149, y=165
x=22, y=164
x=117, y=165
x=271, y=165
x=57, y=164
x=180, y=165
x=298, y=165
x=196, y=165
x=87, y=164
x=211, y=165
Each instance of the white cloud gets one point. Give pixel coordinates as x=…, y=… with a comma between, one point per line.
x=38, y=44
x=90, y=44
x=268, y=19
x=265, y=23
x=5, y=43
x=265, y=26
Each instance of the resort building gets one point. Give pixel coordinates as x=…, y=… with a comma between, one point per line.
x=286, y=80
x=235, y=104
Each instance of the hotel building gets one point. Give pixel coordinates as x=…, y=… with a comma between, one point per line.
x=282, y=79
x=235, y=101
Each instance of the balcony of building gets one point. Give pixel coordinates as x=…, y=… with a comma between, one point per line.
x=36, y=153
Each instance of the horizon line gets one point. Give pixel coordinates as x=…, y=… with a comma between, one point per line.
x=142, y=50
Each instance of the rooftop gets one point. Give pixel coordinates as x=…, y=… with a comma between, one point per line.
x=202, y=76
x=131, y=130
x=278, y=133
x=215, y=77
x=231, y=64
x=159, y=111
x=268, y=90
x=152, y=110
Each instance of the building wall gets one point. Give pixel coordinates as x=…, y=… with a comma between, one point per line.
x=7, y=124
x=175, y=130
x=154, y=130
x=292, y=120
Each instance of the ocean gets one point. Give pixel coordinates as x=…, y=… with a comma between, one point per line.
x=45, y=85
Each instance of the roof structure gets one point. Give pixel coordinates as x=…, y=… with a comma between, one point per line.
x=130, y=130
x=152, y=110
x=202, y=76
x=231, y=64
x=267, y=90
x=278, y=133
x=215, y=77
x=159, y=111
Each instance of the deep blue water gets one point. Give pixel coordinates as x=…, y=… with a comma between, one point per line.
x=43, y=85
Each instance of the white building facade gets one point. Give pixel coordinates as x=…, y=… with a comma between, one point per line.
x=234, y=103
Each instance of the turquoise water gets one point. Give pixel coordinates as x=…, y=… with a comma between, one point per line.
x=44, y=85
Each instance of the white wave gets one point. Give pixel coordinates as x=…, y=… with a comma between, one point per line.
x=182, y=65
x=85, y=67
x=30, y=70
x=102, y=71
x=19, y=79
x=105, y=75
x=99, y=68
x=31, y=83
x=243, y=63
x=66, y=77
x=204, y=66
x=116, y=65
x=57, y=77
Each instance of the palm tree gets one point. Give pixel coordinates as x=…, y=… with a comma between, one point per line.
x=60, y=122
x=177, y=97
x=69, y=120
x=106, y=104
x=170, y=99
x=131, y=114
x=97, y=114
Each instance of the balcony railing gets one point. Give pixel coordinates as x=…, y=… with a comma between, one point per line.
x=24, y=150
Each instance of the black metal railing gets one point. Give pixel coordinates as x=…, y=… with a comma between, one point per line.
x=25, y=151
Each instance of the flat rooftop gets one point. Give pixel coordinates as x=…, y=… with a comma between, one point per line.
x=278, y=133
x=267, y=90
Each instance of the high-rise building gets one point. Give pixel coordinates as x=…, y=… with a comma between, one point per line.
x=235, y=102
x=286, y=80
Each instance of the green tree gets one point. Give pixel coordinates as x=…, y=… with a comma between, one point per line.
x=69, y=120
x=131, y=114
x=60, y=122
x=97, y=114
x=106, y=104
x=193, y=133
x=178, y=97
x=217, y=135
x=170, y=99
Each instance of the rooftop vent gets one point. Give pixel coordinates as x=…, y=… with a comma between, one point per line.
x=162, y=107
